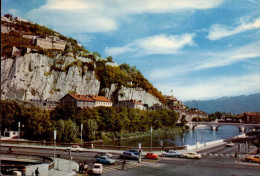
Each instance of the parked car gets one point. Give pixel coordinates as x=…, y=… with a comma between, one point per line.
x=129, y=155
x=105, y=160
x=230, y=144
x=97, y=168
x=75, y=148
x=135, y=151
x=171, y=153
x=103, y=154
x=253, y=158
x=192, y=155
x=151, y=156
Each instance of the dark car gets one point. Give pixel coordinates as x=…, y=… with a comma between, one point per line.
x=129, y=155
x=105, y=160
x=103, y=154
x=135, y=151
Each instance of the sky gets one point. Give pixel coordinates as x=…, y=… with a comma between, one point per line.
x=192, y=49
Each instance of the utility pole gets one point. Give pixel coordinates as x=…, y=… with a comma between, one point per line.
x=197, y=124
x=81, y=128
x=151, y=138
x=19, y=125
x=54, y=137
x=139, y=153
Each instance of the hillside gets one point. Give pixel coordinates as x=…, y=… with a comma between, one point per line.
x=236, y=105
x=39, y=63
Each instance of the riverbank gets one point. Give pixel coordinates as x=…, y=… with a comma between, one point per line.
x=110, y=136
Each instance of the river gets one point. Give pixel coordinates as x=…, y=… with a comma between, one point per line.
x=204, y=134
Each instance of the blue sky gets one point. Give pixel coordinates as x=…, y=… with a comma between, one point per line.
x=199, y=49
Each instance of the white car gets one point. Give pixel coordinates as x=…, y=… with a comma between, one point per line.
x=192, y=155
x=171, y=153
x=97, y=169
x=75, y=148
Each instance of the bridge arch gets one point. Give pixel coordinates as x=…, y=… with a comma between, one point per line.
x=240, y=128
x=215, y=126
x=196, y=125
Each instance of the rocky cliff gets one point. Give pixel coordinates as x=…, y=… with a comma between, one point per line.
x=36, y=76
x=30, y=70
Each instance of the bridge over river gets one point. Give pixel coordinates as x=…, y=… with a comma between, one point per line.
x=216, y=125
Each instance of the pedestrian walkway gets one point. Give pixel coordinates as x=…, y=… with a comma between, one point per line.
x=64, y=167
x=129, y=165
x=221, y=155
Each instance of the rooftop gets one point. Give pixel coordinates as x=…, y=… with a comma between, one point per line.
x=90, y=98
x=81, y=97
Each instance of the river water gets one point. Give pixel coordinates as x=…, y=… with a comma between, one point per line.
x=204, y=134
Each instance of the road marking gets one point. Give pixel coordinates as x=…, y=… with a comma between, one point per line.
x=216, y=154
x=128, y=165
x=221, y=154
x=227, y=154
x=205, y=154
x=210, y=154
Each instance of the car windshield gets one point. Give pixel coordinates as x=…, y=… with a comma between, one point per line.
x=133, y=151
x=103, y=157
x=96, y=167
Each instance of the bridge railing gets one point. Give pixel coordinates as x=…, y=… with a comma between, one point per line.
x=89, y=145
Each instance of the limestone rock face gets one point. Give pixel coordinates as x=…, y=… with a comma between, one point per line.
x=38, y=77
x=138, y=94
x=35, y=76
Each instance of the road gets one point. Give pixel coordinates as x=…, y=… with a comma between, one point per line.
x=218, y=160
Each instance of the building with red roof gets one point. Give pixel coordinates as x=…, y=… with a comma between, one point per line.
x=84, y=101
x=251, y=117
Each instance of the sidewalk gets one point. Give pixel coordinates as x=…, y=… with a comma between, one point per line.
x=64, y=167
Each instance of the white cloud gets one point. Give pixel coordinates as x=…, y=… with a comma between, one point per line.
x=214, y=87
x=68, y=5
x=209, y=60
x=117, y=50
x=162, y=6
x=229, y=57
x=218, y=31
x=104, y=15
x=76, y=22
x=158, y=44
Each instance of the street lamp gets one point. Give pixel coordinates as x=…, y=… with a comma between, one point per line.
x=197, y=125
x=19, y=125
x=81, y=128
x=54, y=137
x=151, y=138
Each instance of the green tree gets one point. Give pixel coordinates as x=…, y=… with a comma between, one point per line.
x=218, y=114
x=110, y=59
x=96, y=54
x=183, y=120
x=90, y=131
x=67, y=131
x=38, y=125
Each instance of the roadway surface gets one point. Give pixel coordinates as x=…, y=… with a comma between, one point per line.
x=219, y=160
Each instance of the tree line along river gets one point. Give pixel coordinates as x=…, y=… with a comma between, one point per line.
x=204, y=134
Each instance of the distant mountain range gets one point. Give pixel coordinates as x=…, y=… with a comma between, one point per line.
x=235, y=105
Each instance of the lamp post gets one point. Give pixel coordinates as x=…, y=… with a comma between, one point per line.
x=19, y=125
x=54, y=137
x=151, y=138
x=197, y=125
x=81, y=128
